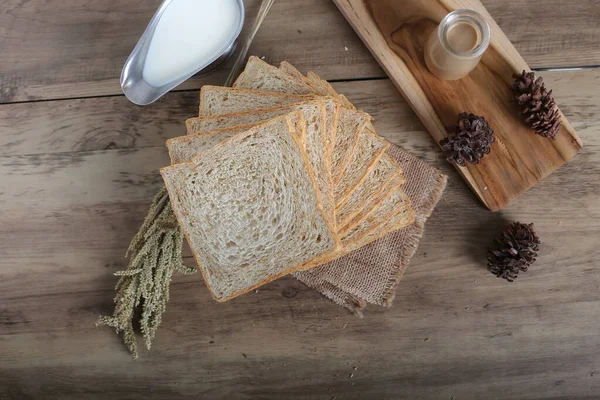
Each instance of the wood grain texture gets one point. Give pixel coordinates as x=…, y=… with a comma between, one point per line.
x=71, y=200
x=396, y=35
x=65, y=49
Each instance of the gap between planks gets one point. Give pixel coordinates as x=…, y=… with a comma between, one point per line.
x=363, y=79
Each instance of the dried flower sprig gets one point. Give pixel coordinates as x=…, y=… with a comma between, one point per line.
x=154, y=254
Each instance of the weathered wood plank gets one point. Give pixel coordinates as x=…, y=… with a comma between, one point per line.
x=61, y=49
x=114, y=123
x=93, y=124
x=193, y=355
x=69, y=206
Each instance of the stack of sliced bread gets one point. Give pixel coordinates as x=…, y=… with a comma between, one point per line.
x=277, y=174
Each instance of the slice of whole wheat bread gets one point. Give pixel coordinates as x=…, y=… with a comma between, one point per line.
x=315, y=114
x=293, y=71
x=385, y=173
x=332, y=112
x=216, y=100
x=374, y=201
x=250, y=117
x=346, y=103
x=199, y=125
x=379, y=224
x=324, y=86
x=350, y=125
x=259, y=75
x=401, y=219
x=318, y=85
x=369, y=149
x=289, y=69
x=394, y=202
x=248, y=208
x=183, y=149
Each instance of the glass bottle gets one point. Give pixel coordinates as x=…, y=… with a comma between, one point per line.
x=455, y=47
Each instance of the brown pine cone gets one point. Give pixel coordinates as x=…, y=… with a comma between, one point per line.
x=516, y=249
x=468, y=141
x=538, y=107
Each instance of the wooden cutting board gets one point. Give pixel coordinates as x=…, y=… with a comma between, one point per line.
x=395, y=33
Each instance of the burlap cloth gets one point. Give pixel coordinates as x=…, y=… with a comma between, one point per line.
x=371, y=273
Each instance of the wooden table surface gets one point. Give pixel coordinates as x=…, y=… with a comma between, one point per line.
x=80, y=164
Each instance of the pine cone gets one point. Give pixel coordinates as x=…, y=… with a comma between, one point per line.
x=516, y=250
x=538, y=107
x=468, y=141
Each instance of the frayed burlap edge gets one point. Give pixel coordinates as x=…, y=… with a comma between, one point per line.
x=415, y=233
x=338, y=296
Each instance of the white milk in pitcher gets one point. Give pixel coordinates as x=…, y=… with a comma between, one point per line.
x=189, y=35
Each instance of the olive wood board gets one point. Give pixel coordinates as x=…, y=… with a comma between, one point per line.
x=395, y=33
